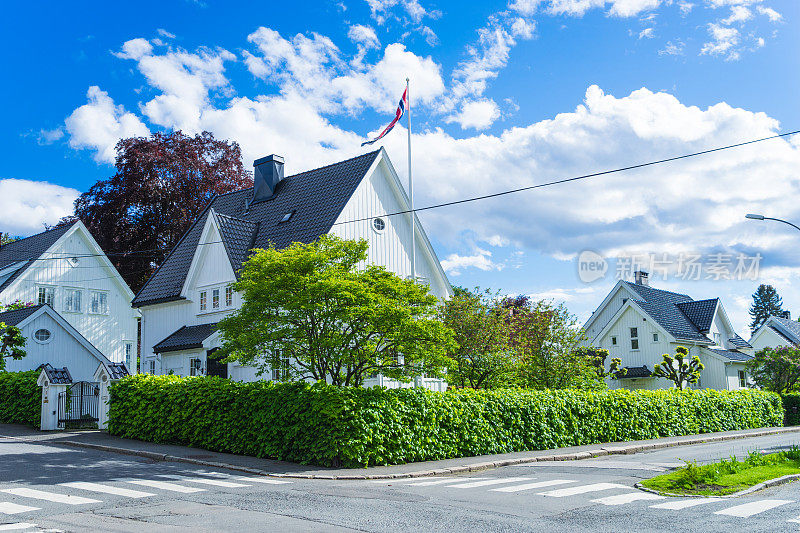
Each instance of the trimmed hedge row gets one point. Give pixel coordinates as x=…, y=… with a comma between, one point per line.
x=20, y=398
x=331, y=426
x=791, y=405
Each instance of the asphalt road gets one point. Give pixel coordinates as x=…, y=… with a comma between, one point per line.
x=45, y=486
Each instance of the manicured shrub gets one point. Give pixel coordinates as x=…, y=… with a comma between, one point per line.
x=791, y=405
x=336, y=426
x=20, y=398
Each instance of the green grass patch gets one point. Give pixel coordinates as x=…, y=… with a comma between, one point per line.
x=727, y=476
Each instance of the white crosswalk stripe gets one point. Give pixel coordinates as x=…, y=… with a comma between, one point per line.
x=165, y=485
x=535, y=485
x=684, y=504
x=107, y=489
x=753, y=508
x=583, y=489
x=214, y=482
x=14, y=508
x=50, y=496
x=488, y=482
x=621, y=499
x=263, y=479
x=441, y=481
x=19, y=526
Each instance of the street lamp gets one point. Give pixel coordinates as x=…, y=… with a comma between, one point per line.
x=762, y=217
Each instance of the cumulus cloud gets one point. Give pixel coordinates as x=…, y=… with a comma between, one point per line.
x=27, y=205
x=481, y=259
x=724, y=42
x=647, y=33
x=478, y=114
x=738, y=14
x=773, y=15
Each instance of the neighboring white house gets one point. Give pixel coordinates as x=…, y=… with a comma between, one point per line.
x=50, y=339
x=776, y=332
x=639, y=323
x=66, y=269
x=190, y=292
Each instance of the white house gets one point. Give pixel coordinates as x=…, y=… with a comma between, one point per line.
x=50, y=339
x=639, y=323
x=776, y=332
x=66, y=269
x=190, y=292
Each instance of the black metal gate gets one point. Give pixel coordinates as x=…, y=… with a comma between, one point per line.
x=78, y=406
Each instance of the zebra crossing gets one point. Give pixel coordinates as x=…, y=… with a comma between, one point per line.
x=596, y=493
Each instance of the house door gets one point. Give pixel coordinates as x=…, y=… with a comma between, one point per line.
x=214, y=367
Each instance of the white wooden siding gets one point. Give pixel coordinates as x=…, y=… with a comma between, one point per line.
x=605, y=314
x=766, y=337
x=107, y=332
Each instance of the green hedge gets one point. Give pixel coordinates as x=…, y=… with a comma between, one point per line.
x=330, y=426
x=791, y=405
x=20, y=398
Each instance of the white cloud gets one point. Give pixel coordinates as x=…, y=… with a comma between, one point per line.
x=773, y=15
x=647, y=33
x=27, y=205
x=619, y=8
x=724, y=42
x=482, y=260
x=478, y=114
x=135, y=49
x=99, y=124
x=685, y=7
x=363, y=36
x=738, y=14
x=50, y=136
x=525, y=7
x=673, y=48
x=497, y=241
x=164, y=33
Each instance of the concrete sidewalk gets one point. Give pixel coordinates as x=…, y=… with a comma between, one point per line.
x=167, y=452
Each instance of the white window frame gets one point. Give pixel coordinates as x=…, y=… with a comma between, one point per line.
x=742, y=375
x=100, y=311
x=127, y=349
x=152, y=366
x=195, y=366
x=655, y=337
x=613, y=340
x=52, y=289
x=634, y=339
x=215, y=300
x=282, y=371
x=47, y=341
x=228, y=296
x=70, y=292
x=203, y=300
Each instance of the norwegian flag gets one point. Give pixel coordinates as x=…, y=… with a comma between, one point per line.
x=401, y=109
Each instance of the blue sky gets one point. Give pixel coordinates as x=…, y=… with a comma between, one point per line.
x=504, y=94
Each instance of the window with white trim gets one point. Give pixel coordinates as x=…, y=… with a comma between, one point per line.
x=215, y=298
x=613, y=341
x=72, y=300
x=228, y=296
x=152, y=366
x=742, y=379
x=128, y=355
x=195, y=367
x=203, y=300
x=282, y=371
x=45, y=295
x=634, y=338
x=42, y=336
x=655, y=337
x=98, y=302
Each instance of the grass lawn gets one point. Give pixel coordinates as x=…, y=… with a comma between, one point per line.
x=727, y=476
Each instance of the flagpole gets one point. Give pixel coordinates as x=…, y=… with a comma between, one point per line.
x=411, y=192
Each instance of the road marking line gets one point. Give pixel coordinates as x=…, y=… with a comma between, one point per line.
x=14, y=508
x=16, y=527
x=50, y=496
x=165, y=485
x=583, y=489
x=621, y=499
x=794, y=520
x=107, y=489
x=749, y=509
x=262, y=479
x=215, y=482
x=441, y=481
x=684, y=504
x=487, y=482
x=537, y=485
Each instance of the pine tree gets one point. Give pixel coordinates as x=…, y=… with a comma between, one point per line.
x=766, y=303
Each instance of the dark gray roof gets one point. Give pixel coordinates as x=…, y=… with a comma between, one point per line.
x=117, y=370
x=317, y=196
x=791, y=329
x=12, y=318
x=739, y=342
x=783, y=335
x=28, y=249
x=700, y=312
x=186, y=338
x=731, y=354
x=635, y=372
x=662, y=306
x=58, y=376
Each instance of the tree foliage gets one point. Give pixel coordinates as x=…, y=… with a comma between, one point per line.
x=12, y=344
x=776, y=369
x=13, y=306
x=596, y=358
x=678, y=369
x=6, y=238
x=481, y=356
x=766, y=303
x=160, y=186
x=333, y=318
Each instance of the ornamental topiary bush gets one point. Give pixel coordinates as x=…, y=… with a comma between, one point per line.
x=20, y=398
x=353, y=426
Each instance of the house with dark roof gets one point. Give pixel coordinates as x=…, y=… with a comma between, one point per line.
x=52, y=340
x=67, y=270
x=775, y=332
x=639, y=323
x=358, y=198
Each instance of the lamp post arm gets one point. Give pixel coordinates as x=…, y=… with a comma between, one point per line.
x=784, y=221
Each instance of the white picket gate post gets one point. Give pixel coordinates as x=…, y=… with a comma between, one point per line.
x=53, y=382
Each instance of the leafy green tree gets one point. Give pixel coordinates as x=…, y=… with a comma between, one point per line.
x=766, y=303
x=596, y=358
x=333, y=318
x=12, y=344
x=542, y=336
x=6, y=238
x=678, y=369
x=776, y=369
x=13, y=306
x=481, y=358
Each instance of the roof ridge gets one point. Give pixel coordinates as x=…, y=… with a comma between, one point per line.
x=15, y=242
x=661, y=290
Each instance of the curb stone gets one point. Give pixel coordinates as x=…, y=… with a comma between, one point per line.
x=760, y=486
x=589, y=454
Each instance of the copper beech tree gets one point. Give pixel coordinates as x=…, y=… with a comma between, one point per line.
x=160, y=186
